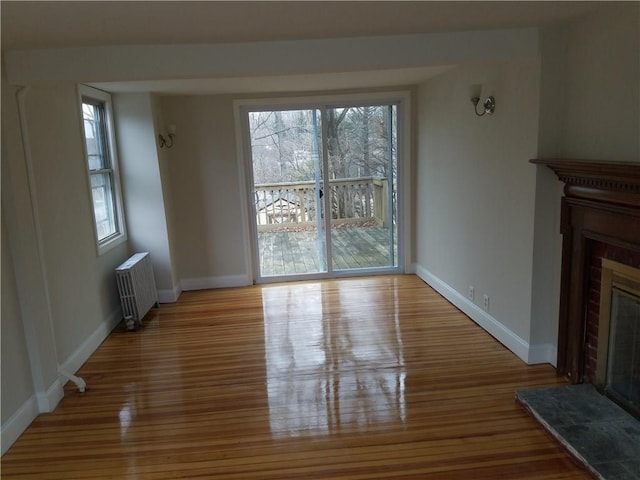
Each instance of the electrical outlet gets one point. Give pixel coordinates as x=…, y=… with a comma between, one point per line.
x=472, y=293
x=486, y=302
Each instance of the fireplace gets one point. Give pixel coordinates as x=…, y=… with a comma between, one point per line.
x=600, y=224
x=617, y=372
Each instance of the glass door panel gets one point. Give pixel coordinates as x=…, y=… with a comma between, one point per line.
x=286, y=160
x=362, y=168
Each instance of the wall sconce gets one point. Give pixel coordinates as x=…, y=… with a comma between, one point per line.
x=171, y=129
x=489, y=105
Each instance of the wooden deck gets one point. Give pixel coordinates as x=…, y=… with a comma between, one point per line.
x=295, y=252
x=352, y=379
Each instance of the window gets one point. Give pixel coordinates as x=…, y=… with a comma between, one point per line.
x=102, y=167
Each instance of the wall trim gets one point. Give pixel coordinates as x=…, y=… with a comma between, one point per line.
x=49, y=400
x=73, y=363
x=17, y=423
x=205, y=283
x=527, y=353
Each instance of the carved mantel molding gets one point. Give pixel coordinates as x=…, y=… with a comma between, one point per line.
x=601, y=204
x=614, y=182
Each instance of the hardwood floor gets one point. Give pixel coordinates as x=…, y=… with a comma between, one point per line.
x=367, y=378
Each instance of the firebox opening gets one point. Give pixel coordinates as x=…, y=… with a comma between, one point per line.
x=618, y=369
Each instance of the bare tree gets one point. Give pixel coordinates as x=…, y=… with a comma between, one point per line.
x=360, y=141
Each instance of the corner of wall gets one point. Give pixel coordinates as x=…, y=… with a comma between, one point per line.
x=544, y=353
x=170, y=295
x=49, y=400
x=546, y=259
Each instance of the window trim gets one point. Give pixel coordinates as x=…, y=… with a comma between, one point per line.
x=94, y=95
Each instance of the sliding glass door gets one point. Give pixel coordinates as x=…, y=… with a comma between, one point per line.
x=302, y=229
x=362, y=167
x=287, y=168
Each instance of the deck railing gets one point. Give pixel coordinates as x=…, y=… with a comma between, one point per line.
x=362, y=199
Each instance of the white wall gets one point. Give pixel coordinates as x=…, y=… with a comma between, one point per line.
x=170, y=62
x=26, y=255
x=81, y=284
x=203, y=178
x=66, y=292
x=547, y=251
x=603, y=112
x=19, y=404
x=589, y=109
x=17, y=384
x=546, y=261
x=203, y=172
x=142, y=187
x=476, y=192
x=160, y=126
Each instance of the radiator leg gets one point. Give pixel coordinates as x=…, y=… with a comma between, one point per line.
x=80, y=383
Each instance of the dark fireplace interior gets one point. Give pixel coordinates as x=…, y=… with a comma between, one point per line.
x=612, y=336
x=623, y=367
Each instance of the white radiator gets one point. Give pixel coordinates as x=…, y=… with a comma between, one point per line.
x=137, y=287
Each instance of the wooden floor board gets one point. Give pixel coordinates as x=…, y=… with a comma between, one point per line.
x=368, y=378
x=294, y=252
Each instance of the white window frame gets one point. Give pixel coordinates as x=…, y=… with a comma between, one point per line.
x=120, y=236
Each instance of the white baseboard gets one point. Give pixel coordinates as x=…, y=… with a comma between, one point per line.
x=49, y=400
x=169, y=295
x=528, y=353
x=73, y=363
x=205, y=283
x=18, y=423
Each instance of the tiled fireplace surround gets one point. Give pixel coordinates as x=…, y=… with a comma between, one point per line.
x=600, y=219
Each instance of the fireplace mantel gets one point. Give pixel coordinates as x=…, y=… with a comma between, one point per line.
x=601, y=203
x=614, y=182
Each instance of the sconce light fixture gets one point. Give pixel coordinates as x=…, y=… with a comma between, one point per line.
x=171, y=134
x=489, y=105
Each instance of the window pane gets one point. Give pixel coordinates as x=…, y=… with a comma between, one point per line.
x=103, y=205
x=361, y=149
x=95, y=136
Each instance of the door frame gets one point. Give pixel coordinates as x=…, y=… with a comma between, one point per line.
x=245, y=174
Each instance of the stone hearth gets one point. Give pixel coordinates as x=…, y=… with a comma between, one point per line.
x=600, y=435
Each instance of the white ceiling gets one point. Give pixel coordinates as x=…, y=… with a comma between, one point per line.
x=53, y=24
